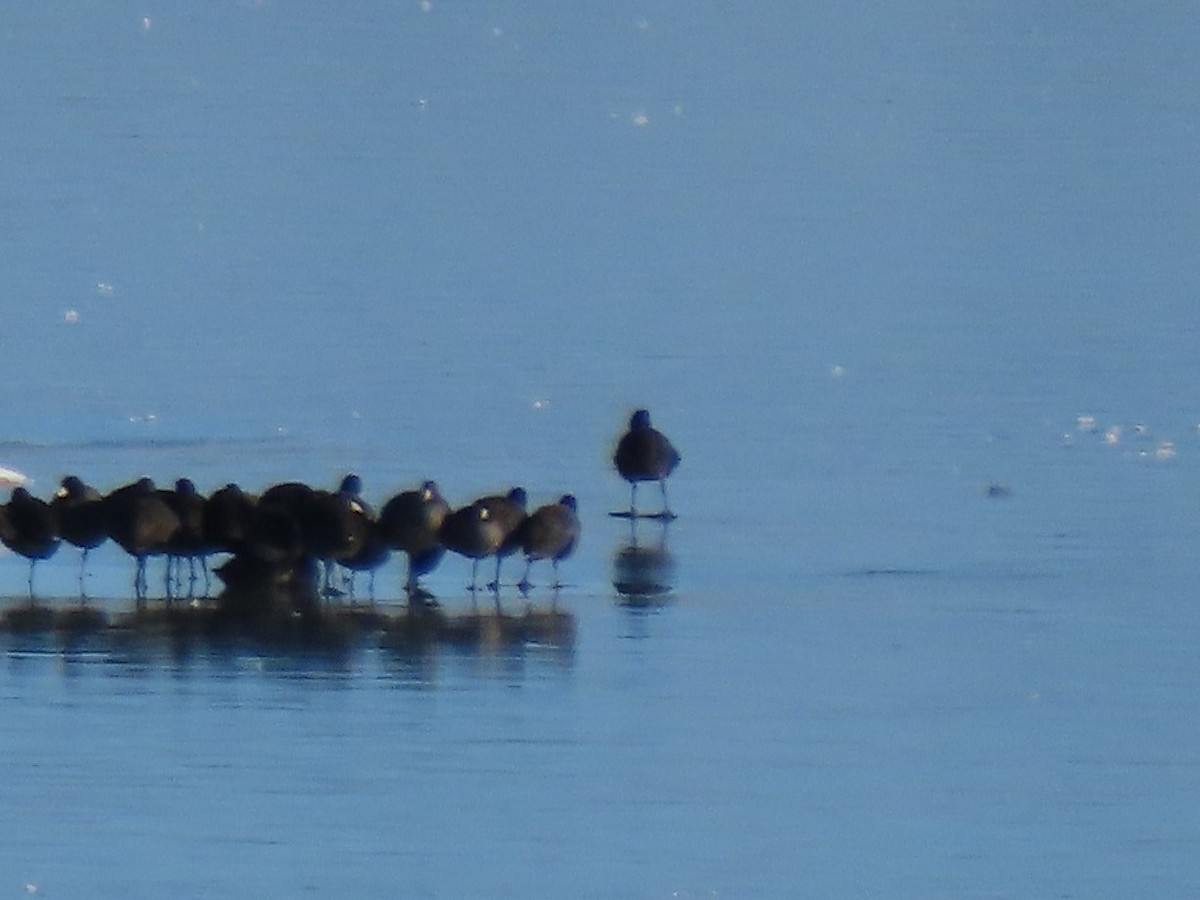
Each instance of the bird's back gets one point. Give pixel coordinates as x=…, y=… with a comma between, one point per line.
x=645, y=455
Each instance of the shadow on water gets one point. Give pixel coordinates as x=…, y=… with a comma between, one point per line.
x=643, y=568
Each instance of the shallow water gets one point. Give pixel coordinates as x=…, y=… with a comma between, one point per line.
x=861, y=265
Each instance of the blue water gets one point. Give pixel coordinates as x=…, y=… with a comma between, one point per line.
x=860, y=263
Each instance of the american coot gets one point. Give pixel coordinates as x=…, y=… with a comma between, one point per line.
x=79, y=511
x=549, y=532
x=508, y=512
x=143, y=524
x=373, y=551
x=29, y=529
x=644, y=454
x=228, y=519
x=363, y=548
x=332, y=525
x=189, y=541
x=472, y=532
x=280, y=525
x=410, y=522
x=346, y=531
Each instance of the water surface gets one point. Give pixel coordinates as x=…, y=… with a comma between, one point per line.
x=861, y=264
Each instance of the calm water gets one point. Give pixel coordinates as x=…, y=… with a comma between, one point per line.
x=860, y=264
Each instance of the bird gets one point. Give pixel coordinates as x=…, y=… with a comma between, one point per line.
x=372, y=553
x=79, y=509
x=346, y=522
x=410, y=522
x=227, y=519
x=472, y=531
x=508, y=512
x=333, y=524
x=644, y=454
x=29, y=529
x=143, y=524
x=549, y=532
x=189, y=541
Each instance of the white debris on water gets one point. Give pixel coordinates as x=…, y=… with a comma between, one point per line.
x=12, y=478
x=1152, y=446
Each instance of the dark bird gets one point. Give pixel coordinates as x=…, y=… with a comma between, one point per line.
x=549, y=532
x=189, y=540
x=508, y=512
x=332, y=525
x=345, y=526
x=143, y=524
x=473, y=532
x=373, y=551
x=29, y=528
x=79, y=510
x=644, y=454
x=227, y=520
x=410, y=522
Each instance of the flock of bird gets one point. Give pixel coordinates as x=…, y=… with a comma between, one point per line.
x=291, y=527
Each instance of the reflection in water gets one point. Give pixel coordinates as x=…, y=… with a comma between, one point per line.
x=643, y=573
x=199, y=639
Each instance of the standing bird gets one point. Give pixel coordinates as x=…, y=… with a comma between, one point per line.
x=472, y=532
x=508, y=512
x=644, y=454
x=144, y=525
x=29, y=529
x=189, y=541
x=373, y=551
x=549, y=532
x=344, y=526
x=333, y=525
x=228, y=518
x=410, y=522
x=79, y=509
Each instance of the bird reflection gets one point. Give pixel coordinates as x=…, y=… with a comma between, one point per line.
x=643, y=572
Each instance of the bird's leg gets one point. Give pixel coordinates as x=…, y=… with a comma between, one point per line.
x=495, y=585
x=82, y=575
x=139, y=581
